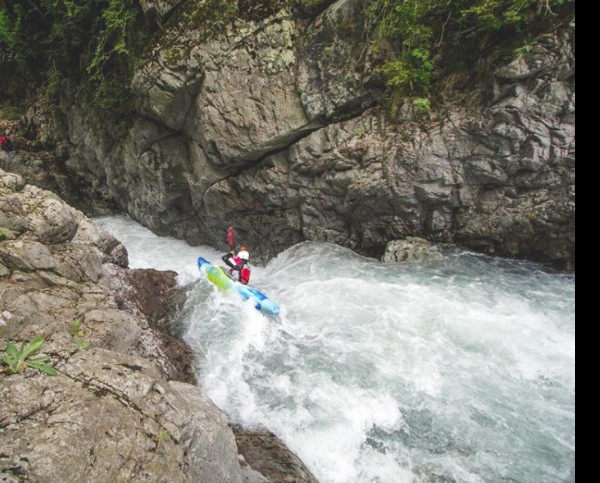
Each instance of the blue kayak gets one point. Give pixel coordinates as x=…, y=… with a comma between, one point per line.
x=218, y=276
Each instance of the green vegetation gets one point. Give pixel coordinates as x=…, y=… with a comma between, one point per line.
x=422, y=104
x=60, y=43
x=525, y=48
x=75, y=329
x=212, y=16
x=95, y=45
x=163, y=435
x=77, y=332
x=9, y=113
x=17, y=360
x=425, y=33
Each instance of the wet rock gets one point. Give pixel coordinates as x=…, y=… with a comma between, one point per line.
x=409, y=250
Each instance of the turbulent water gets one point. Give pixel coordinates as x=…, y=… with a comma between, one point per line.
x=460, y=369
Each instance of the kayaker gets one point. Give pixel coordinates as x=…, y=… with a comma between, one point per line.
x=239, y=270
x=5, y=143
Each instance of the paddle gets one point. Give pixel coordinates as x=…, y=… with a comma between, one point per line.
x=230, y=237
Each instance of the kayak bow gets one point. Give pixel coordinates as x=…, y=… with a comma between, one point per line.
x=219, y=278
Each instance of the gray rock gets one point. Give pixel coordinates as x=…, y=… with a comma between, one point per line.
x=409, y=250
x=272, y=125
x=111, y=413
x=158, y=10
x=266, y=453
x=110, y=416
x=50, y=220
x=26, y=255
x=112, y=249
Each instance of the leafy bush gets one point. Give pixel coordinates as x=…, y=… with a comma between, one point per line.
x=91, y=44
x=420, y=31
x=422, y=104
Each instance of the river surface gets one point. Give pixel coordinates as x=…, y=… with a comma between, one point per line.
x=459, y=369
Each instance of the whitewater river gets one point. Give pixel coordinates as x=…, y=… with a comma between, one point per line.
x=461, y=369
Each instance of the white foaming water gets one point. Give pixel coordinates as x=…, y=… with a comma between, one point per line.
x=460, y=370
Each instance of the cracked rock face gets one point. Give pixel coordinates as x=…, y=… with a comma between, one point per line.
x=271, y=126
x=109, y=416
x=114, y=411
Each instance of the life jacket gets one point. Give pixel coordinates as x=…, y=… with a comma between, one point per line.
x=243, y=274
x=232, y=272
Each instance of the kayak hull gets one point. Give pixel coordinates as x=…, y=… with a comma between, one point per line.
x=218, y=277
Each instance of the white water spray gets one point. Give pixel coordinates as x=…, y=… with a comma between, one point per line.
x=461, y=369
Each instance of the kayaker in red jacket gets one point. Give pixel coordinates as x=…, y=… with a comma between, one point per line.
x=239, y=270
x=6, y=144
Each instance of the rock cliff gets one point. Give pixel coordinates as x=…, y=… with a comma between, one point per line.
x=276, y=126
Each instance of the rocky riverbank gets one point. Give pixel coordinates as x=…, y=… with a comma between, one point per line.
x=124, y=405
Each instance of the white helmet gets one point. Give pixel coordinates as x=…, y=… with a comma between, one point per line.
x=243, y=254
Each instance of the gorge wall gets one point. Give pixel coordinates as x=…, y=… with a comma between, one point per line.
x=277, y=127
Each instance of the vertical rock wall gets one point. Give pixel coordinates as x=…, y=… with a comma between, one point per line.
x=275, y=126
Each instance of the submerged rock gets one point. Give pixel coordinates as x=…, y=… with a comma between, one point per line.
x=409, y=250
